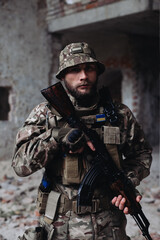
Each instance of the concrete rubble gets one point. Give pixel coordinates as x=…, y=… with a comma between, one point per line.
x=18, y=202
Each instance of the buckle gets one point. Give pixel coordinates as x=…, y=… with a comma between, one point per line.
x=95, y=205
x=80, y=209
x=86, y=209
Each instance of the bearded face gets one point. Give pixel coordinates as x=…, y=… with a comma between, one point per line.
x=81, y=82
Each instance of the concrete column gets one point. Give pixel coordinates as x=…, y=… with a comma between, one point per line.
x=56, y=48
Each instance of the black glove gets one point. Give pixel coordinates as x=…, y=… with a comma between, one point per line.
x=71, y=139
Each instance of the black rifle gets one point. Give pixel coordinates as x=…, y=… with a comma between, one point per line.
x=103, y=167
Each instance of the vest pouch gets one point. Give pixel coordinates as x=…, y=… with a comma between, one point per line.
x=41, y=201
x=73, y=169
x=111, y=135
x=111, y=138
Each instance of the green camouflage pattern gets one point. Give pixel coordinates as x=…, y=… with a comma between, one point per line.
x=77, y=53
x=36, y=148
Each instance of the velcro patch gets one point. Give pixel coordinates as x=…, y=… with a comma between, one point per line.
x=111, y=135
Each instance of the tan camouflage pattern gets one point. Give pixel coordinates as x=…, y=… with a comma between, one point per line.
x=35, y=145
x=106, y=225
x=77, y=53
x=36, y=148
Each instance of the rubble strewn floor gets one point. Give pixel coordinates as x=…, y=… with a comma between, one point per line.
x=18, y=202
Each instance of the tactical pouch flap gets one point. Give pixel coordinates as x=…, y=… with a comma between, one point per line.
x=72, y=172
x=51, y=206
x=111, y=135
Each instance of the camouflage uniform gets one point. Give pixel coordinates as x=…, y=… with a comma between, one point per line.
x=37, y=147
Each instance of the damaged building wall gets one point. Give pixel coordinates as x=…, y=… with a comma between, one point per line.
x=61, y=8
x=25, y=58
x=147, y=67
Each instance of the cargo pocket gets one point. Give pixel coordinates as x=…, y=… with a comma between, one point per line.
x=73, y=170
x=111, y=225
x=111, y=138
x=119, y=234
x=118, y=225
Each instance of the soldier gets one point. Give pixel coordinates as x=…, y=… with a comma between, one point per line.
x=46, y=141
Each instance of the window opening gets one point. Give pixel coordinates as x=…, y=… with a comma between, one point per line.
x=4, y=103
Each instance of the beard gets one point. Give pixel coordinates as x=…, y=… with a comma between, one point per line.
x=83, y=99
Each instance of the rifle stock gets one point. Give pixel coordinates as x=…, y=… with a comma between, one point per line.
x=103, y=165
x=58, y=98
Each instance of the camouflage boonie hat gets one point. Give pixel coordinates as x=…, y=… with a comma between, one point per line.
x=77, y=53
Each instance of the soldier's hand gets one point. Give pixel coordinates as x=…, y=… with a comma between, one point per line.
x=72, y=140
x=90, y=145
x=120, y=203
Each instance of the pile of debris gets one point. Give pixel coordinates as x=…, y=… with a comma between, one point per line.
x=17, y=202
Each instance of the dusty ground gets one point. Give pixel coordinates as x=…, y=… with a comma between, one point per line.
x=18, y=196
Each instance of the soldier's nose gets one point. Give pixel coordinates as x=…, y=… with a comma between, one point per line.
x=83, y=74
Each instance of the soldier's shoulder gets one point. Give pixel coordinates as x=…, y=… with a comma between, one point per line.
x=122, y=108
x=40, y=107
x=38, y=113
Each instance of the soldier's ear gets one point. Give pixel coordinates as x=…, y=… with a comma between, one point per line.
x=62, y=76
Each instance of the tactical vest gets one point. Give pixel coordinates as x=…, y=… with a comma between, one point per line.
x=75, y=166
x=70, y=169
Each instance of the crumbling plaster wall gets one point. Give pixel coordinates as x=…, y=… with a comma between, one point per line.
x=25, y=59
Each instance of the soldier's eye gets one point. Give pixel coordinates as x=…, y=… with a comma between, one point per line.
x=90, y=68
x=74, y=70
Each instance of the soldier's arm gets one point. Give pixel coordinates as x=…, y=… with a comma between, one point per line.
x=136, y=151
x=136, y=154
x=35, y=144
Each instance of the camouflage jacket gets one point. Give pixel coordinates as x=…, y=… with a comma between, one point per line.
x=36, y=146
